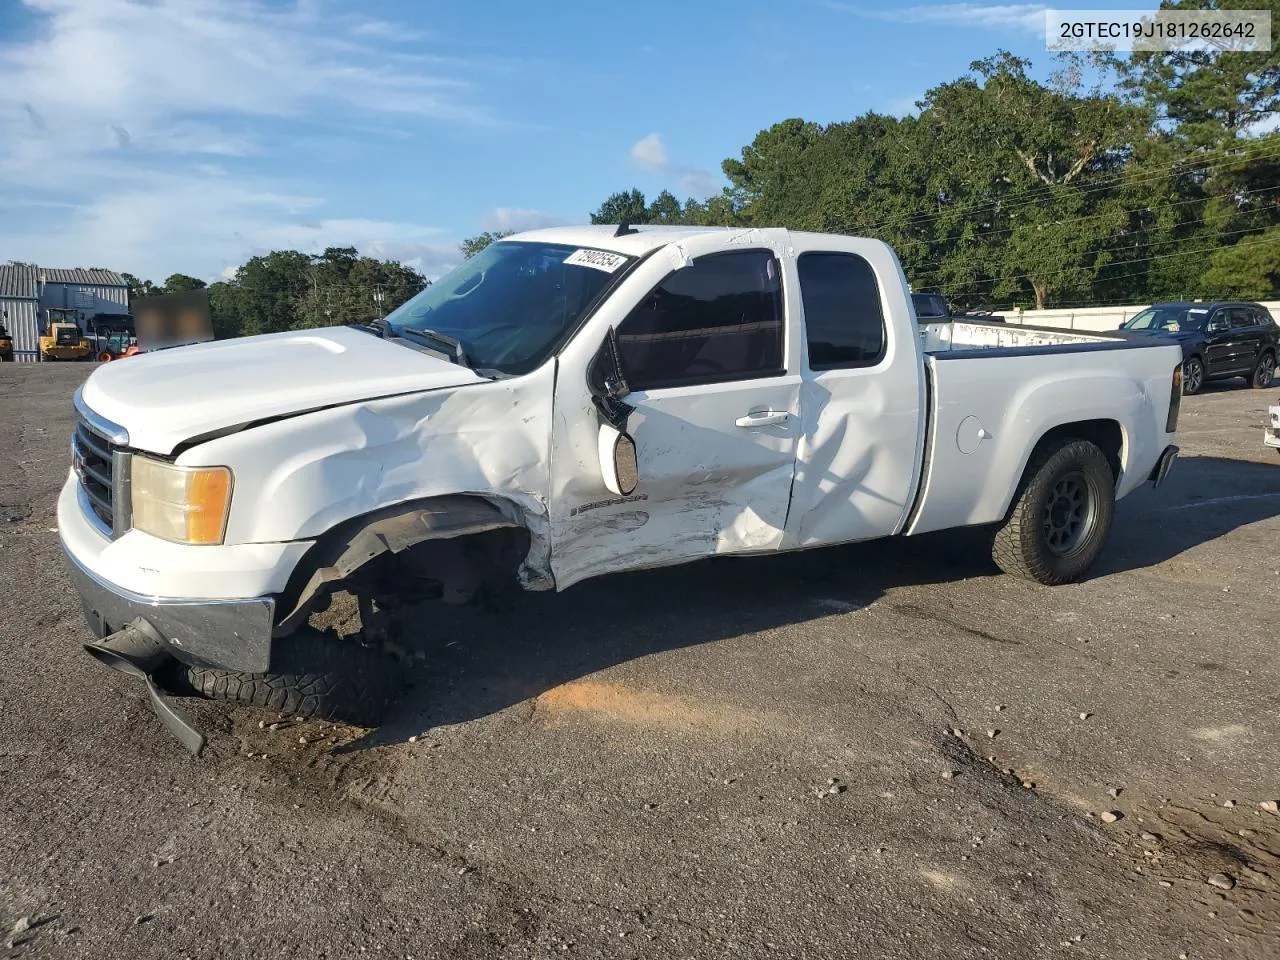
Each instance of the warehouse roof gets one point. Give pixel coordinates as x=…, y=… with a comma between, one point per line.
x=22, y=279
x=18, y=280
x=102, y=278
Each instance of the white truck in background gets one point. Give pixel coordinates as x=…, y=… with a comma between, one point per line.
x=569, y=403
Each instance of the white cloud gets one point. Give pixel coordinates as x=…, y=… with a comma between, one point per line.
x=648, y=153
x=1009, y=16
x=699, y=183
x=117, y=114
x=516, y=219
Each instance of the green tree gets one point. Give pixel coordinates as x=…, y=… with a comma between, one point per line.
x=627, y=206
x=1213, y=96
x=473, y=245
x=1248, y=269
x=181, y=283
x=140, y=288
x=348, y=288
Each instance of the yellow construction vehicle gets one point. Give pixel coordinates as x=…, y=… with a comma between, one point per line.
x=63, y=339
x=6, y=342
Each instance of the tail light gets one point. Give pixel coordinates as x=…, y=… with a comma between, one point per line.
x=1175, y=401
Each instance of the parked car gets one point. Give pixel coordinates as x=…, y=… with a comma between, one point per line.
x=568, y=403
x=1271, y=432
x=933, y=308
x=1219, y=340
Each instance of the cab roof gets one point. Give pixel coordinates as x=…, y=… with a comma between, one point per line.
x=601, y=237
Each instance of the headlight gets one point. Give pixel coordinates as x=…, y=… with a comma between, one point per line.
x=182, y=504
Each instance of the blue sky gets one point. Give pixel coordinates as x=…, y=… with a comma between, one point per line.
x=157, y=136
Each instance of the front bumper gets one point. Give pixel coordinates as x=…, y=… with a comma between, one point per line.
x=233, y=634
x=1271, y=437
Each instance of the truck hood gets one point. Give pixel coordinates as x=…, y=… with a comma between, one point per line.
x=170, y=396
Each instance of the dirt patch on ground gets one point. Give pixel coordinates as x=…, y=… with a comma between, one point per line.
x=644, y=708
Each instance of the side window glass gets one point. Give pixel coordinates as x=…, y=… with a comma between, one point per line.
x=1241, y=317
x=718, y=319
x=844, y=324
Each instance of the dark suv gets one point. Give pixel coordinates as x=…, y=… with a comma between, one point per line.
x=1219, y=340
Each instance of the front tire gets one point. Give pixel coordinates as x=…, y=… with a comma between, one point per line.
x=1264, y=373
x=1061, y=516
x=314, y=675
x=1192, y=376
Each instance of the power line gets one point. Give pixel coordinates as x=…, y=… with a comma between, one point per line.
x=1011, y=203
x=1121, y=263
x=1128, y=212
x=1107, y=249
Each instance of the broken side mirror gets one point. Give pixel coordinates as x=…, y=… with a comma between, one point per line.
x=608, y=385
x=618, y=463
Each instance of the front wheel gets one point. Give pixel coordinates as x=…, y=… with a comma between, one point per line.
x=1061, y=516
x=1264, y=372
x=313, y=674
x=1192, y=376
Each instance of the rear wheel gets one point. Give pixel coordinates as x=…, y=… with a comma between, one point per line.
x=1192, y=375
x=1264, y=372
x=1061, y=515
x=314, y=675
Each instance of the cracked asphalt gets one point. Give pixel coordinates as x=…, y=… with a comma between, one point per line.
x=885, y=750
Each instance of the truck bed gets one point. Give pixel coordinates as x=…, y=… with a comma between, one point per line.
x=945, y=337
x=993, y=390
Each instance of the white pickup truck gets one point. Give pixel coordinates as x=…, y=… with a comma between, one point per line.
x=569, y=403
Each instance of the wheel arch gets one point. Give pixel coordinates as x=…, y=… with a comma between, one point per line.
x=352, y=544
x=1106, y=434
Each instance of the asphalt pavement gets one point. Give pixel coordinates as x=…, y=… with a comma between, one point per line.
x=888, y=750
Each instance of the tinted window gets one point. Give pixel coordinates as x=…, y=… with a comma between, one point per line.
x=842, y=316
x=1165, y=318
x=1264, y=317
x=718, y=319
x=1242, y=317
x=929, y=306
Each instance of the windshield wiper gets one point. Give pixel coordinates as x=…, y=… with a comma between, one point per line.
x=453, y=348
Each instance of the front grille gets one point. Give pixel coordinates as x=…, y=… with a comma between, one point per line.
x=94, y=458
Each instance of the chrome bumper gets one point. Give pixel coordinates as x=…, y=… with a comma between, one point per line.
x=232, y=634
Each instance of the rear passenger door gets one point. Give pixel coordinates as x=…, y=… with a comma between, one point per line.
x=862, y=396
x=1220, y=351
x=1246, y=337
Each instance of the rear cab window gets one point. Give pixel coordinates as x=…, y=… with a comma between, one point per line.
x=843, y=319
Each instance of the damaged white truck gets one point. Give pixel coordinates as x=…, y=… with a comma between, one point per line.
x=569, y=403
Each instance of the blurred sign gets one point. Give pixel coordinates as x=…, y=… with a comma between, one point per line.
x=172, y=320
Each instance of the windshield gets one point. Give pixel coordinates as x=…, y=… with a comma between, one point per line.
x=1172, y=319
x=512, y=304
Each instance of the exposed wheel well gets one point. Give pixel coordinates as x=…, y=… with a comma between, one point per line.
x=1106, y=435
x=462, y=543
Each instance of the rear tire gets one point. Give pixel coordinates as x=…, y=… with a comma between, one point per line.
x=1061, y=515
x=1192, y=376
x=315, y=675
x=1264, y=373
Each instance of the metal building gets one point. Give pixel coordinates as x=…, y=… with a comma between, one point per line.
x=29, y=292
x=19, y=306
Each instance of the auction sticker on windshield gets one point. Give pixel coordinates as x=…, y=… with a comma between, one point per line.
x=596, y=260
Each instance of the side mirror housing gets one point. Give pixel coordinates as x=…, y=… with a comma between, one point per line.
x=618, y=463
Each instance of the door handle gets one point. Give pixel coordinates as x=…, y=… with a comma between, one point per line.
x=763, y=418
